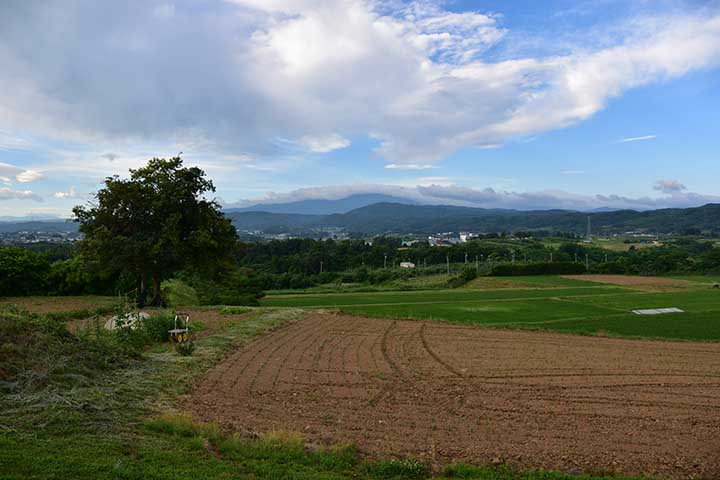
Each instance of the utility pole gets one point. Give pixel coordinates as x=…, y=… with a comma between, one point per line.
x=588, y=235
x=465, y=258
x=606, y=258
x=575, y=257
x=447, y=260
x=551, y=257
x=513, y=258
x=321, y=266
x=385, y=261
x=477, y=265
x=587, y=262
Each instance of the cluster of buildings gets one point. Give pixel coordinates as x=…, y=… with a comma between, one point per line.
x=25, y=237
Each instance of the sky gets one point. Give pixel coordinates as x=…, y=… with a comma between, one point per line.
x=524, y=104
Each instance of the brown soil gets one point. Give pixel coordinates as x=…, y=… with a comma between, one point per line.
x=448, y=393
x=635, y=281
x=57, y=304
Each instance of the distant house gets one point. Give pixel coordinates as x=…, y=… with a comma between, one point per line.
x=407, y=265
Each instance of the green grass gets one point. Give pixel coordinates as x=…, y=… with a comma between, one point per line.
x=121, y=420
x=608, y=314
x=516, y=312
x=583, y=310
x=431, y=296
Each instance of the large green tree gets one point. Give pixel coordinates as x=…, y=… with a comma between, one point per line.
x=154, y=224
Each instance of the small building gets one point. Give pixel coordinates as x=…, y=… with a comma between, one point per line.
x=407, y=265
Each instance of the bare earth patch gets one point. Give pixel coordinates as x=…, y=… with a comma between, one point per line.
x=635, y=281
x=447, y=393
x=58, y=304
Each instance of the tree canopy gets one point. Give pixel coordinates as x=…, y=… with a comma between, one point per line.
x=154, y=224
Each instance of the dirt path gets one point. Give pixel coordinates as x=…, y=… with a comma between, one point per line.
x=453, y=393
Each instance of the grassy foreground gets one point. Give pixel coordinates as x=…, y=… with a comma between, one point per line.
x=78, y=407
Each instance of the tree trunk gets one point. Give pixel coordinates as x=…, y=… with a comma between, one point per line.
x=142, y=290
x=157, y=300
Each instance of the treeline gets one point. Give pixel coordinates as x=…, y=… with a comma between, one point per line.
x=304, y=263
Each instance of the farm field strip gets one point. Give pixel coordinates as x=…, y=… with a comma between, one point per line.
x=432, y=296
x=536, y=400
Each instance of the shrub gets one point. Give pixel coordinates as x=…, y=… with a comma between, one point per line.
x=176, y=292
x=405, y=468
x=22, y=272
x=468, y=274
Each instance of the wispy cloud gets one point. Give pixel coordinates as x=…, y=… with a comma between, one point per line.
x=10, y=194
x=638, y=139
x=408, y=166
x=324, y=143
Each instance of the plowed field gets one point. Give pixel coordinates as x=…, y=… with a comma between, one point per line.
x=447, y=393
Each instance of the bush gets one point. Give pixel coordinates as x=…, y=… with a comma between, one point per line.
x=238, y=287
x=22, y=272
x=556, y=268
x=467, y=275
x=175, y=292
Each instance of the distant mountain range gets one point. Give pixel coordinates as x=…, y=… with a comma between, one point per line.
x=400, y=218
x=322, y=206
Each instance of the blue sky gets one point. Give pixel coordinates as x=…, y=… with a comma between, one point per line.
x=523, y=104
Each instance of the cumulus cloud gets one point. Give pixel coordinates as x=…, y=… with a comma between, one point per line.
x=10, y=194
x=446, y=193
x=416, y=77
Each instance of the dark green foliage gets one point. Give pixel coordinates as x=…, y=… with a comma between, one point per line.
x=398, y=469
x=22, y=272
x=155, y=224
x=555, y=268
x=234, y=287
x=185, y=349
x=467, y=275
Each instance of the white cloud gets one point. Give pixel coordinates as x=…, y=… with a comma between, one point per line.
x=71, y=193
x=638, y=139
x=408, y=166
x=28, y=176
x=323, y=143
x=9, y=194
x=416, y=77
x=8, y=171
